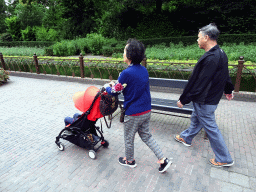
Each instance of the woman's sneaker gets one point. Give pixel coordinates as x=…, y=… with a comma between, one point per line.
x=163, y=167
x=124, y=162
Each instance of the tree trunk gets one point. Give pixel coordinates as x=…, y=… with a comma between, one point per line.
x=159, y=6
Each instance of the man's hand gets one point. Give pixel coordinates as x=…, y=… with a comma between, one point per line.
x=229, y=96
x=179, y=104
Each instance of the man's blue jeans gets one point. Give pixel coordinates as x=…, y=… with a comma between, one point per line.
x=203, y=117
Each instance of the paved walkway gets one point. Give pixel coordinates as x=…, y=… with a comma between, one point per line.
x=31, y=116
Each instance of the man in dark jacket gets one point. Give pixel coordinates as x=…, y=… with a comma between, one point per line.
x=210, y=78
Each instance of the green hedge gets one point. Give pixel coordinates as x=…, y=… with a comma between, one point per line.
x=189, y=40
x=27, y=44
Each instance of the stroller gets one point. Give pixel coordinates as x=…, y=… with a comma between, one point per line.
x=82, y=130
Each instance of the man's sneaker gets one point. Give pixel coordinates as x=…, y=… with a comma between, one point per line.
x=124, y=162
x=214, y=163
x=181, y=140
x=163, y=167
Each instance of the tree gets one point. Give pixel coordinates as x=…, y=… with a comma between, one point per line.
x=11, y=7
x=13, y=27
x=53, y=15
x=30, y=15
x=3, y=10
x=80, y=17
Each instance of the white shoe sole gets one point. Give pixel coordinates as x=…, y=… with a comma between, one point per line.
x=132, y=166
x=166, y=167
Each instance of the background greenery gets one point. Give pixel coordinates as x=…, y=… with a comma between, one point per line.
x=98, y=45
x=168, y=28
x=122, y=19
x=4, y=76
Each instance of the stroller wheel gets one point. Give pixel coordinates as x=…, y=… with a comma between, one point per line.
x=60, y=146
x=92, y=154
x=105, y=143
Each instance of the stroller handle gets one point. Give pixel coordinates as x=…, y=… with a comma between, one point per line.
x=102, y=89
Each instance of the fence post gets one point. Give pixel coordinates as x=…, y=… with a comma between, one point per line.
x=144, y=62
x=239, y=73
x=36, y=63
x=2, y=61
x=81, y=58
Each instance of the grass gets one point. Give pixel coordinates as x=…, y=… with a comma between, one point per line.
x=21, y=51
x=188, y=54
x=172, y=53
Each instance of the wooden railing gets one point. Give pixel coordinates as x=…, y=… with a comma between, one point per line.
x=107, y=68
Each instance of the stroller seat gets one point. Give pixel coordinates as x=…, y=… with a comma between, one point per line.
x=81, y=133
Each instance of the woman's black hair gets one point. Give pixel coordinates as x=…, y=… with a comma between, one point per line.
x=135, y=51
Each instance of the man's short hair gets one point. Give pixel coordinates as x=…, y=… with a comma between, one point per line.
x=211, y=30
x=135, y=51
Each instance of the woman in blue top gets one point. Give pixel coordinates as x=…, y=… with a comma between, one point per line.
x=133, y=83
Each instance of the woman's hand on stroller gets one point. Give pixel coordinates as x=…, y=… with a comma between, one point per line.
x=110, y=84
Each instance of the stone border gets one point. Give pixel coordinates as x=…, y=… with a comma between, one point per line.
x=240, y=96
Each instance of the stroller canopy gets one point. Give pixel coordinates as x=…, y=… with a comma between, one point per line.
x=84, y=99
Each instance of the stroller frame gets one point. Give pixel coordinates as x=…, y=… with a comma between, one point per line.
x=79, y=132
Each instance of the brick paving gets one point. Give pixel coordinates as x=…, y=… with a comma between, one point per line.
x=32, y=114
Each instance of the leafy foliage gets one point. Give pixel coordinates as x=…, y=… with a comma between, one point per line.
x=30, y=15
x=13, y=27
x=3, y=15
x=123, y=19
x=42, y=34
x=4, y=76
x=28, y=34
x=48, y=51
x=5, y=37
x=93, y=43
x=53, y=15
x=79, y=17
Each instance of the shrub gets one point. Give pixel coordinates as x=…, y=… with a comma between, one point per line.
x=66, y=48
x=14, y=27
x=4, y=76
x=41, y=34
x=82, y=45
x=53, y=35
x=107, y=50
x=6, y=37
x=48, y=51
x=28, y=34
x=72, y=47
x=95, y=43
x=60, y=49
x=113, y=46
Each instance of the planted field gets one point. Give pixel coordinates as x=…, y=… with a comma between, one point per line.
x=172, y=53
x=192, y=52
x=21, y=51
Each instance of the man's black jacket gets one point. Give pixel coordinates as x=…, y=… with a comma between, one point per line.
x=210, y=78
